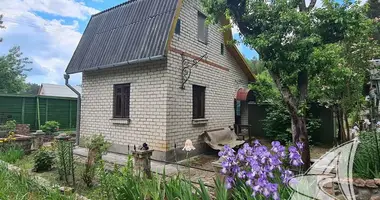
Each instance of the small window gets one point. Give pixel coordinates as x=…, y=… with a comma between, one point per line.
x=202, y=28
x=178, y=27
x=222, y=49
x=198, y=102
x=121, y=101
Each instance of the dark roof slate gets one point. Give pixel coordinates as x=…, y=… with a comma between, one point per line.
x=131, y=31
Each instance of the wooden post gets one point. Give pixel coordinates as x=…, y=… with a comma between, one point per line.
x=46, y=110
x=23, y=111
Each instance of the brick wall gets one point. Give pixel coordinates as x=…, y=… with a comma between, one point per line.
x=221, y=85
x=161, y=112
x=147, y=106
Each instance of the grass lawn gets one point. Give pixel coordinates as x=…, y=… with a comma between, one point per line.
x=22, y=187
x=27, y=163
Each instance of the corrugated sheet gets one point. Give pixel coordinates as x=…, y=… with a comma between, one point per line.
x=134, y=30
x=54, y=90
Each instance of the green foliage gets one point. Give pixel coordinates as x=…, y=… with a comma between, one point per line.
x=31, y=88
x=292, y=41
x=65, y=156
x=97, y=143
x=11, y=153
x=277, y=124
x=10, y=125
x=264, y=88
x=367, y=163
x=22, y=187
x=97, y=146
x=43, y=160
x=13, y=71
x=50, y=127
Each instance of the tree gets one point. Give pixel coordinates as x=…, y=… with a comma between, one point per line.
x=287, y=35
x=374, y=13
x=31, y=88
x=12, y=71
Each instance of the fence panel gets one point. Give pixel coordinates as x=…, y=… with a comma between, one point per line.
x=24, y=109
x=324, y=134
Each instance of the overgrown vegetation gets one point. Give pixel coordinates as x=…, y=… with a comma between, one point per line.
x=11, y=153
x=97, y=146
x=277, y=124
x=50, y=127
x=43, y=160
x=367, y=159
x=22, y=187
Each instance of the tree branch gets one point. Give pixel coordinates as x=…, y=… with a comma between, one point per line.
x=311, y=5
x=302, y=85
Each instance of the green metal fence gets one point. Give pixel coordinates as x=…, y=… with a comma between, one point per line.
x=36, y=110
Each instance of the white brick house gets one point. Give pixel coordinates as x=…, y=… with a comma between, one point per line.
x=131, y=57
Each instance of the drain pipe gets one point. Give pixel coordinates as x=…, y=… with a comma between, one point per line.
x=67, y=77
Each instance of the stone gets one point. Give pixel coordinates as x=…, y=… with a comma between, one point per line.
x=364, y=194
x=377, y=181
x=359, y=182
x=66, y=190
x=375, y=197
x=22, y=129
x=371, y=184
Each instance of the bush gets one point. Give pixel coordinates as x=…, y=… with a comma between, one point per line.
x=10, y=125
x=277, y=124
x=11, y=154
x=50, y=127
x=367, y=163
x=96, y=146
x=43, y=160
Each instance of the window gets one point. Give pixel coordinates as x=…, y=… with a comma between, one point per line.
x=121, y=100
x=222, y=49
x=198, y=102
x=178, y=27
x=202, y=28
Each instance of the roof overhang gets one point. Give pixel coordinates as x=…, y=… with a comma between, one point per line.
x=234, y=51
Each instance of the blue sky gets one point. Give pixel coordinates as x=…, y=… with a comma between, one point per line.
x=48, y=32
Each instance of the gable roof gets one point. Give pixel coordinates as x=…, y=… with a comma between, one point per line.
x=134, y=30
x=54, y=90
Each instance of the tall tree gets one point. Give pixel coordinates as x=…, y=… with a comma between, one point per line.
x=12, y=71
x=31, y=88
x=287, y=35
x=374, y=13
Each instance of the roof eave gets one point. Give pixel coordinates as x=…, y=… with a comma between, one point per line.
x=235, y=51
x=124, y=63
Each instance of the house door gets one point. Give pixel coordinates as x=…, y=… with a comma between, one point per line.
x=237, y=106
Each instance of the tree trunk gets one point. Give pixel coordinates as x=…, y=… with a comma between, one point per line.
x=300, y=135
x=299, y=131
x=348, y=138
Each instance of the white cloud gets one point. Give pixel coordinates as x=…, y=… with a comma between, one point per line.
x=66, y=8
x=48, y=43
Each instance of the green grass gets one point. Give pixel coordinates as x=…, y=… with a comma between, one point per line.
x=12, y=154
x=22, y=187
x=27, y=163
